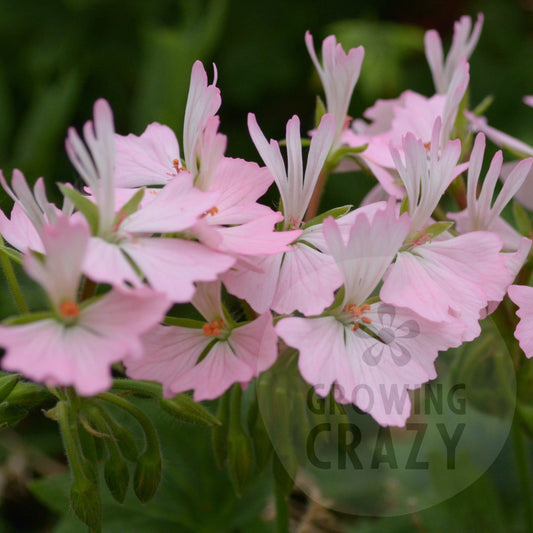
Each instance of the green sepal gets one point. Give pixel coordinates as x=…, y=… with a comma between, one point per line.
x=183, y=322
x=11, y=414
x=439, y=227
x=483, y=106
x=345, y=151
x=404, y=206
x=7, y=384
x=147, y=475
x=11, y=253
x=84, y=205
x=522, y=221
x=27, y=318
x=336, y=212
x=184, y=408
x=130, y=206
x=29, y=394
x=320, y=111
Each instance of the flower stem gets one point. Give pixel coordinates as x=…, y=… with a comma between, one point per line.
x=282, y=509
x=314, y=203
x=521, y=456
x=12, y=281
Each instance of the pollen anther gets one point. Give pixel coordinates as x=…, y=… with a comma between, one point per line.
x=213, y=328
x=69, y=309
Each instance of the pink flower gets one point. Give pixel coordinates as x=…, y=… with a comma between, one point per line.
x=231, y=352
x=523, y=297
x=305, y=277
x=371, y=353
x=78, y=342
x=170, y=265
x=339, y=74
x=411, y=113
x=464, y=41
x=480, y=214
x=448, y=279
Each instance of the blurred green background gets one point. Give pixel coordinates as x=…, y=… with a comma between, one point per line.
x=58, y=56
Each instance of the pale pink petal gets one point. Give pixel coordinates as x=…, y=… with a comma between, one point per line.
x=173, y=265
x=307, y=281
x=524, y=195
x=148, y=159
x=170, y=351
x=177, y=206
x=208, y=300
x=212, y=376
x=19, y=231
x=257, y=286
x=105, y=263
x=523, y=297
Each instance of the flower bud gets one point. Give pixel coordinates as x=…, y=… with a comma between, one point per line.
x=147, y=475
x=116, y=476
x=7, y=384
x=86, y=503
x=184, y=408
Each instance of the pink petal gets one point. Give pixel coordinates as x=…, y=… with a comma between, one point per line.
x=523, y=297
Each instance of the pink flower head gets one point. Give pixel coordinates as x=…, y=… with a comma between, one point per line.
x=203, y=102
x=295, y=186
x=77, y=343
x=170, y=265
x=410, y=113
x=367, y=350
x=426, y=173
x=339, y=73
x=95, y=161
x=464, y=41
x=480, y=214
x=232, y=352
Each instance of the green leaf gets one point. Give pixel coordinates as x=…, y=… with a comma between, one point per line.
x=84, y=205
x=336, y=212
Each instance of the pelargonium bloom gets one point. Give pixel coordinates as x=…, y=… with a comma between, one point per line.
x=339, y=73
x=170, y=265
x=210, y=357
x=443, y=279
x=479, y=213
x=305, y=277
x=464, y=41
x=77, y=342
x=411, y=113
x=372, y=353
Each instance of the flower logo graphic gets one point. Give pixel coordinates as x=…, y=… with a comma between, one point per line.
x=390, y=337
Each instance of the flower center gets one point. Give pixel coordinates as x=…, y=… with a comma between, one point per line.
x=356, y=313
x=212, y=329
x=178, y=166
x=69, y=309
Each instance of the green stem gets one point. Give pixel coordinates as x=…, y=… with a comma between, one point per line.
x=282, y=509
x=12, y=281
x=152, y=441
x=146, y=388
x=314, y=203
x=70, y=439
x=522, y=462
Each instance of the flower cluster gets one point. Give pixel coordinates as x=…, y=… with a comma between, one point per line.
x=368, y=296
